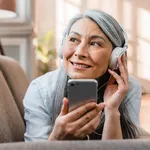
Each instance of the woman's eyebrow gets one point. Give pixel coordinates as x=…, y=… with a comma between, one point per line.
x=91, y=37
x=97, y=36
x=73, y=32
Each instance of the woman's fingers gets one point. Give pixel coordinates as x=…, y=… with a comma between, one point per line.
x=89, y=127
x=80, y=111
x=64, y=108
x=67, y=126
x=101, y=106
x=123, y=70
x=88, y=116
x=117, y=77
x=124, y=61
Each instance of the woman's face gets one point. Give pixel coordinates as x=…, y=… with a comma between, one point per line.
x=86, y=50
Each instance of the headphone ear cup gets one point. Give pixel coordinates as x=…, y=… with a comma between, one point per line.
x=117, y=52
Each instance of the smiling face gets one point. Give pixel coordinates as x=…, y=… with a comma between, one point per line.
x=86, y=50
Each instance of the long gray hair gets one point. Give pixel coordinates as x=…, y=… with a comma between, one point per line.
x=114, y=32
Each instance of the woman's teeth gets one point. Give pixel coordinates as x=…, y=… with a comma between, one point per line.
x=81, y=65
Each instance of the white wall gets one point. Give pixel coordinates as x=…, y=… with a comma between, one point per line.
x=45, y=16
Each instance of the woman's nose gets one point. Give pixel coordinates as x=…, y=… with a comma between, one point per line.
x=81, y=51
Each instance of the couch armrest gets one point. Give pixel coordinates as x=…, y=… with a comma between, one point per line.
x=79, y=145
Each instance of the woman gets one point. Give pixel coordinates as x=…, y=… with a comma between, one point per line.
x=88, y=42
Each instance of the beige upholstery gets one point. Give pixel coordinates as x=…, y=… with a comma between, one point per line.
x=12, y=127
x=80, y=145
x=15, y=78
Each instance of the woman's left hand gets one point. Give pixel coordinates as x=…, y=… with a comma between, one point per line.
x=115, y=93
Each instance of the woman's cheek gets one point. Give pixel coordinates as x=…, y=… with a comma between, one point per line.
x=67, y=52
x=101, y=61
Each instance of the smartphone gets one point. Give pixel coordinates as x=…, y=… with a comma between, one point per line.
x=81, y=91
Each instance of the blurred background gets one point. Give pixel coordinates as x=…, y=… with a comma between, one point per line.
x=31, y=32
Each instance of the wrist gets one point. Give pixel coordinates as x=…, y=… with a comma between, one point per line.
x=112, y=113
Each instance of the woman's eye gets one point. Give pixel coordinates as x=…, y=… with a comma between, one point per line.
x=95, y=44
x=73, y=40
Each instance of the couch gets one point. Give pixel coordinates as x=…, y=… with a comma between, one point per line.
x=80, y=145
x=13, y=85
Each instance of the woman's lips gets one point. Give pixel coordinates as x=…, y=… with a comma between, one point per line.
x=80, y=66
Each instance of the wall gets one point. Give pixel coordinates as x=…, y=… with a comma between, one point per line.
x=45, y=16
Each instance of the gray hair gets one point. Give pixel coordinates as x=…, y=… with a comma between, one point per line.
x=107, y=24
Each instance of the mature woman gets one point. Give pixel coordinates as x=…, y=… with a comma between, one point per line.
x=87, y=45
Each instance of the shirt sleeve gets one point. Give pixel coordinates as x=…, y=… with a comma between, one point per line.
x=37, y=118
x=133, y=100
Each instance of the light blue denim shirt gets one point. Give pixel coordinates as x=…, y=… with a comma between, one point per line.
x=38, y=105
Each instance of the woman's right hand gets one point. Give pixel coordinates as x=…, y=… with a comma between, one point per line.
x=78, y=123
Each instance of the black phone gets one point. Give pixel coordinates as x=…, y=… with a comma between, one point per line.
x=81, y=91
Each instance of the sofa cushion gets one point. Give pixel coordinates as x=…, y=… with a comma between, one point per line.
x=16, y=80
x=12, y=126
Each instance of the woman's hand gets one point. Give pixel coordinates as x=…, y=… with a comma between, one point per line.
x=115, y=93
x=78, y=123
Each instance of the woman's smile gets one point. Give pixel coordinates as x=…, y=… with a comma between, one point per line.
x=80, y=65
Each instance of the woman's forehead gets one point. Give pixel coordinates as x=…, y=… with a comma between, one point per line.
x=87, y=27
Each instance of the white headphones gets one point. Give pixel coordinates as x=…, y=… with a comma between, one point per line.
x=117, y=52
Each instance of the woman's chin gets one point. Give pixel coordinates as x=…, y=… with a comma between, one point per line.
x=80, y=76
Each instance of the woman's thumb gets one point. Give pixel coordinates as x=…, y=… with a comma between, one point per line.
x=64, y=108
